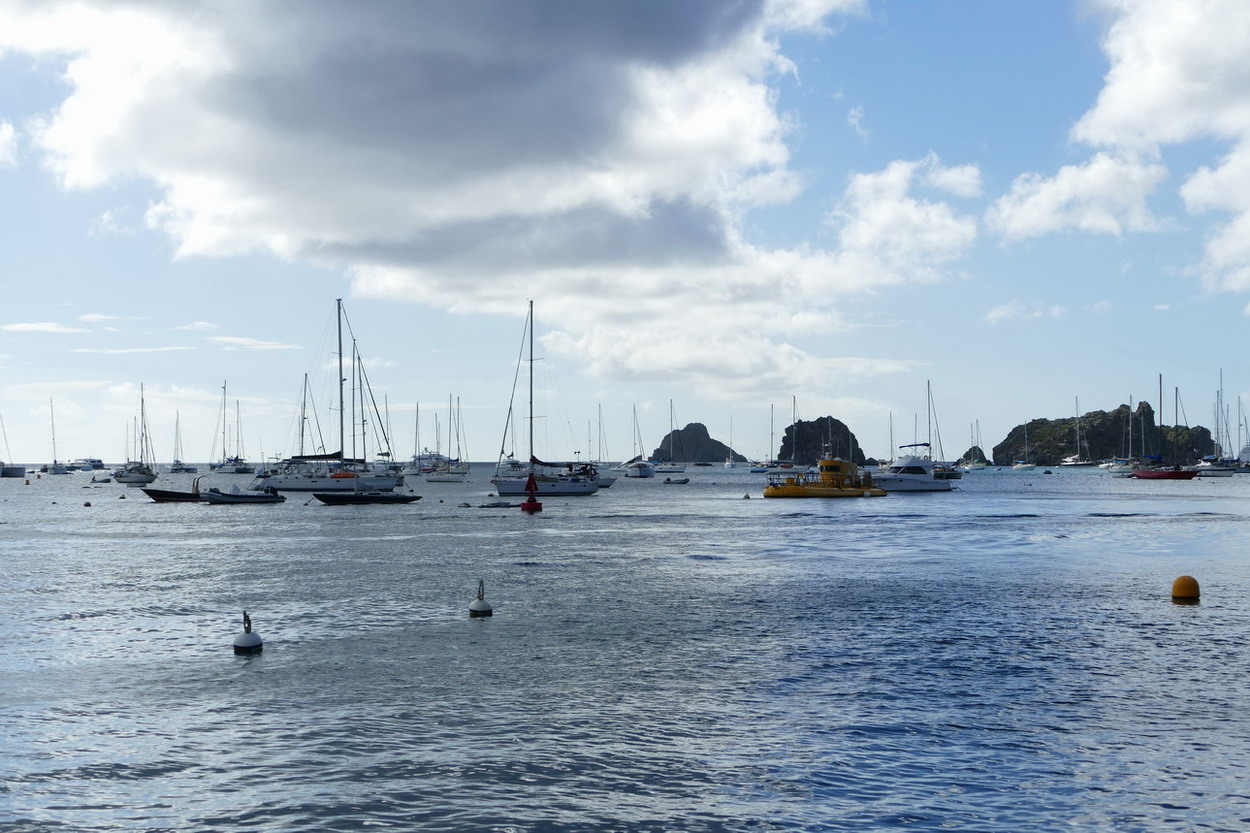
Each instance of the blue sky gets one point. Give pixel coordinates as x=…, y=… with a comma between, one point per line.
x=818, y=204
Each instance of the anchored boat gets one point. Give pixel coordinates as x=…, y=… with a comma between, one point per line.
x=832, y=478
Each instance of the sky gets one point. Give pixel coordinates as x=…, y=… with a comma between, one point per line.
x=724, y=211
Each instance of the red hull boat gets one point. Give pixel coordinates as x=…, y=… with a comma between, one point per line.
x=1165, y=474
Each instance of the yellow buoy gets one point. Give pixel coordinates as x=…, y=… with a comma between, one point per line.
x=1185, y=590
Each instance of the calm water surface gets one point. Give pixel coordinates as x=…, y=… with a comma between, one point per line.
x=1003, y=657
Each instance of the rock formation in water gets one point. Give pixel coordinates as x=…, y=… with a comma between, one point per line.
x=693, y=444
x=1104, y=435
x=806, y=442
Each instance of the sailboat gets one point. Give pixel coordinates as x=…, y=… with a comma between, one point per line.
x=512, y=477
x=976, y=465
x=1025, y=464
x=139, y=472
x=177, y=466
x=56, y=466
x=638, y=466
x=453, y=469
x=1162, y=471
x=671, y=465
x=1080, y=458
x=231, y=463
x=729, y=460
x=9, y=469
x=335, y=471
x=601, y=466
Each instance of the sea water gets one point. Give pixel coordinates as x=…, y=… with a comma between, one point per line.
x=691, y=657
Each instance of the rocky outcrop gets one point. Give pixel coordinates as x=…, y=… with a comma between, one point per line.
x=1104, y=435
x=693, y=444
x=806, y=442
x=975, y=454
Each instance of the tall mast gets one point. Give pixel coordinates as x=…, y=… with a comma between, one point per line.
x=224, y=452
x=52, y=417
x=338, y=306
x=531, y=317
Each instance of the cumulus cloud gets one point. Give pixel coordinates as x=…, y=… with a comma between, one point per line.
x=1177, y=74
x=1106, y=194
x=471, y=155
x=888, y=234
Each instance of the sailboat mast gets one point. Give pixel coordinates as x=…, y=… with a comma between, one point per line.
x=531, y=317
x=339, y=314
x=52, y=417
x=1162, y=438
x=224, y=452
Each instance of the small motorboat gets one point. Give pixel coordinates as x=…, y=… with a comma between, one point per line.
x=369, y=496
x=678, y=481
x=236, y=495
x=174, y=496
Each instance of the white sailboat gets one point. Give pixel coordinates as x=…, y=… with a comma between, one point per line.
x=9, y=469
x=638, y=467
x=551, y=479
x=177, y=466
x=1025, y=464
x=452, y=469
x=139, y=472
x=671, y=465
x=1080, y=458
x=336, y=471
x=56, y=466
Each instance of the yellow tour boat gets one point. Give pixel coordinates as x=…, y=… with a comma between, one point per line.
x=832, y=478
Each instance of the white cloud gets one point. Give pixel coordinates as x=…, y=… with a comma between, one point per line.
x=196, y=325
x=1106, y=194
x=461, y=159
x=1177, y=74
x=1178, y=71
x=8, y=145
x=1020, y=311
x=887, y=235
x=244, y=343
x=126, y=350
x=93, y=317
x=41, y=327
x=855, y=119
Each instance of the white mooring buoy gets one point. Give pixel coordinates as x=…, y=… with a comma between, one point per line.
x=248, y=642
x=479, y=606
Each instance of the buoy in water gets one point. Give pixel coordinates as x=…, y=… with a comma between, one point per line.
x=531, y=504
x=248, y=642
x=1185, y=590
x=479, y=606
x=88, y=503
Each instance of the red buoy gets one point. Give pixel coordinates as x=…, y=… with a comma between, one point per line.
x=531, y=504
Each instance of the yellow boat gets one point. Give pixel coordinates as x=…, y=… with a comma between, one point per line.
x=833, y=478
